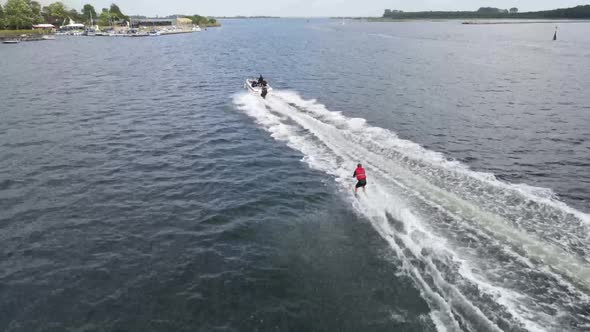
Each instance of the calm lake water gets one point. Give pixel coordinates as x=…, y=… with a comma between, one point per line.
x=141, y=187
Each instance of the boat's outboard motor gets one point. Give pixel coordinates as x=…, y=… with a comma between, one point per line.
x=264, y=89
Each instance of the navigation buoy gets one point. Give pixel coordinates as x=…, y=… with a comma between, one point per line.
x=555, y=34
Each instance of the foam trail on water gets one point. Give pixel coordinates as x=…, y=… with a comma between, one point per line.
x=486, y=255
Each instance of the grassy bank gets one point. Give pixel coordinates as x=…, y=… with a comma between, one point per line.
x=211, y=25
x=17, y=33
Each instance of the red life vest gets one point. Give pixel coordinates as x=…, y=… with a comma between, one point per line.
x=360, y=173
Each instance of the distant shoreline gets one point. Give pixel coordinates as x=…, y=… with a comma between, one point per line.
x=244, y=17
x=532, y=21
x=491, y=13
x=478, y=21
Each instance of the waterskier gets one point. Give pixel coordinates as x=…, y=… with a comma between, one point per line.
x=359, y=174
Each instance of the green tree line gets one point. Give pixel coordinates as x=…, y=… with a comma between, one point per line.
x=579, y=12
x=23, y=14
x=195, y=19
x=202, y=20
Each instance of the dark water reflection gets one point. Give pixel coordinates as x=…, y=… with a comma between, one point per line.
x=134, y=197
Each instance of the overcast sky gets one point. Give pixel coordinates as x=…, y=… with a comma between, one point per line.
x=309, y=7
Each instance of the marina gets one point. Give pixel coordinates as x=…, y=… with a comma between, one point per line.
x=117, y=25
x=133, y=28
x=90, y=32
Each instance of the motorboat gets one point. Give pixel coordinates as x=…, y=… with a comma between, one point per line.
x=254, y=87
x=10, y=41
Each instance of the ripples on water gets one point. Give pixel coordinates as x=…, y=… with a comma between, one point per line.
x=138, y=193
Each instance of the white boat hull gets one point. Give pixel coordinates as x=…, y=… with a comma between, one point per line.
x=256, y=89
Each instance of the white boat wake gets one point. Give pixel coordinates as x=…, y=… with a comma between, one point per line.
x=485, y=254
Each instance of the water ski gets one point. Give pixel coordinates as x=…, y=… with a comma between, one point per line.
x=356, y=192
